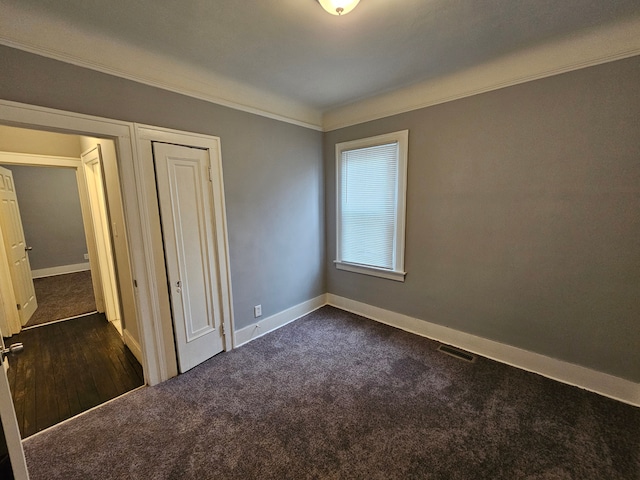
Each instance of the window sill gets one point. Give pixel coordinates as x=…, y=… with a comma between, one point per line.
x=366, y=270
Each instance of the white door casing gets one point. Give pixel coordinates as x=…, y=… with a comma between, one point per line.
x=140, y=202
x=16, y=248
x=34, y=160
x=89, y=233
x=92, y=162
x=158, y=360
x=187, y=216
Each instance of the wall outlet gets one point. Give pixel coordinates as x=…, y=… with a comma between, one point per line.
x=86, y=256
x=257, y=311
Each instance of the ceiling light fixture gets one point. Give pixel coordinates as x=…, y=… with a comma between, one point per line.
x=338, y=7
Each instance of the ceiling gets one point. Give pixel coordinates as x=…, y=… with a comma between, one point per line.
x=292, y=50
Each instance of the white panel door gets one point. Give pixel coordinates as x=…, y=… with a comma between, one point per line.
x=9, y=423
x=187, y=218
x=16, y=247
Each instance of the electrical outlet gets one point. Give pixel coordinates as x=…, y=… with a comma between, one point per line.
x=257, y=311
x=86, y=256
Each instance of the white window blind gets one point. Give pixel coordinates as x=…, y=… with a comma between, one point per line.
x=371, y=205
x=369, y=191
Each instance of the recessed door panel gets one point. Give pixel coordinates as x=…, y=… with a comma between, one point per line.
x=187, y=218
x=16, y=247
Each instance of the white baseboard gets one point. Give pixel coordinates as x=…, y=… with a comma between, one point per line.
x=133, y=345
x=269, y=324
x=602, y=383
x=61, y=270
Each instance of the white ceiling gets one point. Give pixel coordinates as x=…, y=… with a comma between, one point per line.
x=292, y=52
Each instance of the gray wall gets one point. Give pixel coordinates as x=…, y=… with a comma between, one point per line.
x=51, y=216
x=272, y=173
x=523, y=204
x=523, y=220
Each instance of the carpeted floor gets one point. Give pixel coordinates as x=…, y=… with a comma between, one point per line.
x=62, y=296
x=336, y=396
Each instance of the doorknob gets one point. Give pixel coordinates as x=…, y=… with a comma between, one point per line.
x=28, y=249
x=13, y=349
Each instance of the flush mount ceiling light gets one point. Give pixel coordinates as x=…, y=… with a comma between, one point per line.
x=338, y=7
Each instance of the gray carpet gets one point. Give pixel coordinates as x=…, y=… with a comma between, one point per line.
x=335, y=396
x=62, y=296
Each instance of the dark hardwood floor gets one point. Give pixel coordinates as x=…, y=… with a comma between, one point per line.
x=67, y=368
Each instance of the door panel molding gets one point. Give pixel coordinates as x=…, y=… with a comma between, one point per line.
x=16, y=247
x=181, y=211
x=186, y=208
x=145, y=135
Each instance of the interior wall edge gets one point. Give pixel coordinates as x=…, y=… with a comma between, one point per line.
x=256, y=330
x=133, y=345
x=604, y=384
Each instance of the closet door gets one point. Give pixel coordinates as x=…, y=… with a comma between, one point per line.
x=187, y=214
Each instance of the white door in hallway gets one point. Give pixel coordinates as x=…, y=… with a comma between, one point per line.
x=9, y=423
x=188, y=223
x=16, y=247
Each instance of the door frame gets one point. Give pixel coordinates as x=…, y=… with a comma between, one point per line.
x=159, y=363
x=137, y=182
x=33, y=160
x=99, y=222
x=145, y=136
x=140, y=204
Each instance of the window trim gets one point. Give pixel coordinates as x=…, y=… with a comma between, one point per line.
x=397, y=273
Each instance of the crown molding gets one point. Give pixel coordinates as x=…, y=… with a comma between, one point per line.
x=59, y=40
x=584, y=49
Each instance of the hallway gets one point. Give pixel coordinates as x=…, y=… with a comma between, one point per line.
x=63, y=296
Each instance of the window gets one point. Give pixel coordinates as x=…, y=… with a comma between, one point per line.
x=371, y=183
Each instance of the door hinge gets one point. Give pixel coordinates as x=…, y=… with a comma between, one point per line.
x=223, y=330
x=19, y=306
x=210, y=175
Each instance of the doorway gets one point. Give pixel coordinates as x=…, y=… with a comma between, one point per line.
x=51, y=223
x=82, y=361
x=148, y=271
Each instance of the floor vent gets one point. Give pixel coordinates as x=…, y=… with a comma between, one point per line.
x=457, y=353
